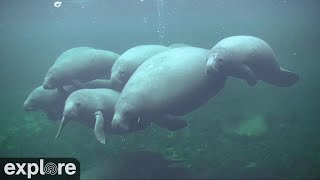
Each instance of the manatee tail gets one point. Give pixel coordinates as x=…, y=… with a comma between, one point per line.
x=62, y=124
x=285, y=78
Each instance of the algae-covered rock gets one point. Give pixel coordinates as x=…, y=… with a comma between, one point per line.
x=254, y=126
x=251, y=165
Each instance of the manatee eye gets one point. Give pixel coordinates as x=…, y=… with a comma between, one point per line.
x=78, y=104
x=122, y=73
x=53, y=81
x=219, y=62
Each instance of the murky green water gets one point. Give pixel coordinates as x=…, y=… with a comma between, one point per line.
x=243, y=132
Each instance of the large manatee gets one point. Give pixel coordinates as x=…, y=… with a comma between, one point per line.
x=129, y=61
x=170, y=84
x=248, y=58
x=80, y=64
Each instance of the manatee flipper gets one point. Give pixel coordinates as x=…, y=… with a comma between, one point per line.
x=98, y=128
x=171, y=123
x=248, y=75
x=62, y=124
x=285, y=78
x=78, y=84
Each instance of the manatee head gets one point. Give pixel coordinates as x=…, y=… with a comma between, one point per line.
x=31, y=104
x=71, y=112
x=217, y=61
x=36, y=100
x=119, y=77
x=125, y=117
x=52, y=80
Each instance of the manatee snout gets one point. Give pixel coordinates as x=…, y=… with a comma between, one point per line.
x=119, y=124
x=48, y=84
x=70, y=115
x=27, y=106
x=116, y=83
x=70, y=111
x=52, y=80
x=119, y=79
x=212, y=65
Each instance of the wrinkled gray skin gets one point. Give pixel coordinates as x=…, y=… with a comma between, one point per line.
x=178, y=45
x=93, y=107
x=52, y=101
x=248, y=58
x=77, y=65
x=172, y=83
x=129, y=61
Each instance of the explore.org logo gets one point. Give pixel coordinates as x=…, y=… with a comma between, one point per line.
x=39, y=168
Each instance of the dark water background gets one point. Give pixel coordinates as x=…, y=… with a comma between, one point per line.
x=33, y=33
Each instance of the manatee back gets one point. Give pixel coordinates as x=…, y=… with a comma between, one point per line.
x=81, y=64
x=94, y=99
x=173, y=81
x=178, y=45
x=247, y=49
x=130, y=60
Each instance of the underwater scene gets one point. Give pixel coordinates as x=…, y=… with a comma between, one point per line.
x=163, y=89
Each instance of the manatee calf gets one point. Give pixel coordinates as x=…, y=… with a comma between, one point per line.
x=169, y=84
x=51, y=101
x=93, y=107
x=248, y=58
x=129, y=61
x=81, y=64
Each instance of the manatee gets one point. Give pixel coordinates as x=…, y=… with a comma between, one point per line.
x=248, y=58
x=129, y=61
x=166, y=86
x=51, y=101
x=95, y=108
x=178, y=45
x=80, y=64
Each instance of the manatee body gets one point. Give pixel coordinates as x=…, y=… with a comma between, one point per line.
x=248, y=58
x=129, y=61
x=51, y=101
x=178, y=45
x=170, y=84
x=93, y=107
x=80, y=64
